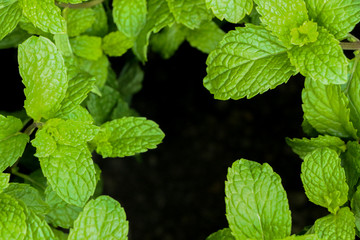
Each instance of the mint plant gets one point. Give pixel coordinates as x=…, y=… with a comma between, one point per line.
x=294, y=37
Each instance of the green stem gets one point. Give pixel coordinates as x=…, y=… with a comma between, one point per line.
x=26, y=177
x=350, y=45
x=29, y=130
x=80, y=5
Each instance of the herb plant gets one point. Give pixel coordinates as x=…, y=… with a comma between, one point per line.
x=294, y=37
x=77, y=104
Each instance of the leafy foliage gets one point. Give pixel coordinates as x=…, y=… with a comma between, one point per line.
x=76, y=104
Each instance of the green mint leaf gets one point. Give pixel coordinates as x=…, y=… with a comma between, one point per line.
x=223, y=234
x=351, y=164
x=353, y=92
x=122, y=109
x=336, y=226
x=9, y=18
x=101, y=107
x=44, y=143
x=115, y=44
x=324, y=179
x=88, y=47
x=168, y=40
x=13, y=39
x=339, y=17
x=79, y=87
x=158, y=17
x=232, y=10
x=102, y=218
x=63, y=44
x=5, y=3
x=326, y=109
x=63, y=132
x=248, y=61
x=12, y=218
x=9, y=125
x=43, y=71
x=32, y=30
x=100, y=26
x=29, y=196
x=61, y=213
x=11, y=148
x=127, y=136
x=70, y=172
x=4, y=181
x=304, y=146
x=306, y=33
x=355, y=207
x=303, y=237
x=206, y=37
x=191, y=13
x=256, y=202
x=282, y=16
x=80, y=114
x=78, y=20
x=98, y=68
x=129, y=16
x=326, y=54
x=130, y=79
x=60, y=234
x=37, y=228
x=72, y=1
x=44, y=15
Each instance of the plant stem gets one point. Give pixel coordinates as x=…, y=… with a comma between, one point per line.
x=350, y=45
x=26, y=177
x=32, y=127
x=80, y=5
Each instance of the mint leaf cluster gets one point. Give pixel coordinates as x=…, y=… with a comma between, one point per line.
x=292, y=38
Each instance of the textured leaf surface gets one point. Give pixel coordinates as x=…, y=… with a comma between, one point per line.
x=9, y=125
x=223, y=234
x=231, y=10
x=168, y=40
x=37, y=228
x=206, y=37
x=248, y=61
x=43, y=71
x=4, y=181
x=323, y=60
x=353, y=92
x=88, y=47
x=304, y=146
x=351, y=164
x=338, y=226
x=101, y=107
x=79, y=20
x=61, y=213
x=70, y=172
x=11, y=149
x=158, y=17
x=326, y=109
x=77, y=92
x=100, y=26
x=127, y=136
x=9, y=18
x=256, y=202
x=129, y=16
x=98, y=68
x=116, y=44
x=281, y=16
x=339, y=17
x=44, y=15
x=28, y=195
x=80, y=114
x=191, y=13
x=355, y=207
x=324, y=179
x=12, y=218
x=102, y=218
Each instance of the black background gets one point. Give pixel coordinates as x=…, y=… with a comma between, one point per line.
x=177, y=190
